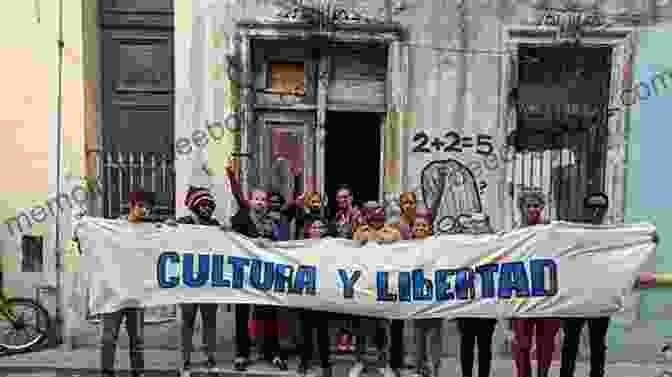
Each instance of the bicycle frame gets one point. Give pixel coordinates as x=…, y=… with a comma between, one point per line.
x=5, y=311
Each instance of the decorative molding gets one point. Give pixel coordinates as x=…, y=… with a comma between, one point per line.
x=324, y=14
x=572, y=23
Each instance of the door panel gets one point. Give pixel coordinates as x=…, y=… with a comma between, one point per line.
x=286, y=146
x=138, y=91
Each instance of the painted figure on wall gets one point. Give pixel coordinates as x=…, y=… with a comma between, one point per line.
x=449, y=190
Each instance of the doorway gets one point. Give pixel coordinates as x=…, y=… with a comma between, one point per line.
x=352, y=155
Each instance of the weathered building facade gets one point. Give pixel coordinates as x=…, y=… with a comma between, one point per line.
x=464, y=103
x=387, y=96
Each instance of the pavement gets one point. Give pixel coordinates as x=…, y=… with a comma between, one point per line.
x=85, y=362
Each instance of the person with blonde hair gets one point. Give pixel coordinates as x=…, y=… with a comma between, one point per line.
x=430, y=329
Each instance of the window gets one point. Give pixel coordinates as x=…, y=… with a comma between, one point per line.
x=31, y=254
x=286, y=78
x=561, y=131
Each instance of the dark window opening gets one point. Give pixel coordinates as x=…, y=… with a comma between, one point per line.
x=352, y=155
x=31, y=254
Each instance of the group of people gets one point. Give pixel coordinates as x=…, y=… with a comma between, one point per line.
x=268, y=215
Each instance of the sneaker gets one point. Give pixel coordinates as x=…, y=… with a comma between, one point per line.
x=240, y=364
x=356, y=370
x=280, y=363
x=187, y=365
x=210, y=364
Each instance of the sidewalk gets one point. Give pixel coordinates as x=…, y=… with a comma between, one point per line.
x=87, y=360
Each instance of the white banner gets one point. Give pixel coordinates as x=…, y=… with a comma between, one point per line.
x=556, y=270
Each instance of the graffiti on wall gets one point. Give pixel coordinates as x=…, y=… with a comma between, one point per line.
x=453, y=142
x=450, y=190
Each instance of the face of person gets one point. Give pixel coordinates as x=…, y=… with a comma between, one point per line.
x=139, y=211
x=422, y=228
x=533, y=209
x=313, y=201
x=344, y=199
x=205, y=210
x=408, y=203
x=376, y=217
x=389, y=233
x=258, y=200
x=597, y=209
x=316, y=230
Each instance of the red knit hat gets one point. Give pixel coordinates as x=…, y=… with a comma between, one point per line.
x=198, y=195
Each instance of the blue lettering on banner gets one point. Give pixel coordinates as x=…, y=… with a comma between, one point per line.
x=534, y=278
x=501, y=281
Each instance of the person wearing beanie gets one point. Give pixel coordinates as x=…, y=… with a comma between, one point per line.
x=202, y=205
x=139, y=207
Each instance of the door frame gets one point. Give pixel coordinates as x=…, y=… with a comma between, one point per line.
x=621, y=40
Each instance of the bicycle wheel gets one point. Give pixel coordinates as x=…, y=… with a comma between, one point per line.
x=24, y=324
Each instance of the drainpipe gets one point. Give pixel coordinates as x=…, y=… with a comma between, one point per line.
x=59, y=323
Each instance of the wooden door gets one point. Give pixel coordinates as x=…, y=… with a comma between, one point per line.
x=137, y=57
x=286, y=148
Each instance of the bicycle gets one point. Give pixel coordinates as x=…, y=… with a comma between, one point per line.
x=24, y=323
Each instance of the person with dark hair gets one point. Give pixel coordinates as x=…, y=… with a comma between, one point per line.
x=201, y=204
x=348, y=217
x=596, y=206
x=139, y=205
x=531, y=204
x=253, y=220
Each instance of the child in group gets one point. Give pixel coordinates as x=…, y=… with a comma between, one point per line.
x=313, y=319
x=432, y=328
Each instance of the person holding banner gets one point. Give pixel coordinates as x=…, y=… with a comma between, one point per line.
x=475, y=331
x=373, y=230
x=139, y=204
x=596, y=206
x=253, y=220
x=347, y=218
x=531, y=204
x=202, y=205
x=314, y=319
